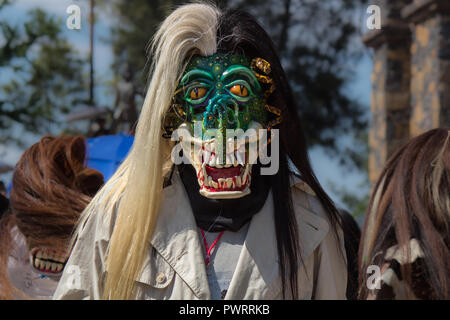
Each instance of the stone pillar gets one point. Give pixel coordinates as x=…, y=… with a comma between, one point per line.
x=430, y=64
x=390, y=99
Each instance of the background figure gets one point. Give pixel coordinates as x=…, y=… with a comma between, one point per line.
x=98, y=128
x=51, y=187
x=352, y=236
x=406, y=231
x=125, y=114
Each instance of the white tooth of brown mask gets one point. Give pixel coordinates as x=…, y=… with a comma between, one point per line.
x=39, y=254
x=59, y=267
x=37, y=262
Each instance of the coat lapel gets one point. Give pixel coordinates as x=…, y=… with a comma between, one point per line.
x=176, y=239
x=257, y=267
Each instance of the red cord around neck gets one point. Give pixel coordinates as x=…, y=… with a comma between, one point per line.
x=208, y=250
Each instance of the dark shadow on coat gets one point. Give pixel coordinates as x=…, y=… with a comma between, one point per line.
x=352, y=236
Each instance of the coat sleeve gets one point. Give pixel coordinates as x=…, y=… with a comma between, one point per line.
x=330, y=263
x=84, y=271
x=331, y=281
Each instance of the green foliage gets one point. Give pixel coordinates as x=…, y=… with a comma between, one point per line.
x=44, y=75
x=131, y=36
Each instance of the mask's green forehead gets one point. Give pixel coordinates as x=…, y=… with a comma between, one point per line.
x=217, y=63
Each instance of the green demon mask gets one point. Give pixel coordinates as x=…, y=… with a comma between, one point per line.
x=220, y=98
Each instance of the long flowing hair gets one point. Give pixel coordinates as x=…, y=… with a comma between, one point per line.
x=51, y=186
x=412, y=200
x=204, y=30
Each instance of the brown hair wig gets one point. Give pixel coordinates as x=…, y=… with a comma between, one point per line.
x=412, y=200
x=51, y=187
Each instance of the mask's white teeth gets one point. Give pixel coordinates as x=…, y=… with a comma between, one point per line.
x=238, y=181
x=44, y=255
x=59, y=267
x=209, y=181
x=221, y=182
x=199, y=156
x=212, y=160
x=214, y=184
x=240, y=156
x=37, y=262
x=203, y=173
x=229, y=161
x=206, y=156
x=218, y=162
x=39, y=254
x=212, y=147
x=53, y=266
x=229, y=182
x=246, y=172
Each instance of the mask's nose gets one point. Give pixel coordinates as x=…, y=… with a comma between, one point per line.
x=221, y=113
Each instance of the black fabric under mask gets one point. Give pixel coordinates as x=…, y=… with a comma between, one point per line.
x=215, y=215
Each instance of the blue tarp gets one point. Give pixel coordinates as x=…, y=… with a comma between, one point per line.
x=106, y=153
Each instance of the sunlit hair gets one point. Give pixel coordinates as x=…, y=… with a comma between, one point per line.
x=189, y=30
x=51, y=187
x=412, y=200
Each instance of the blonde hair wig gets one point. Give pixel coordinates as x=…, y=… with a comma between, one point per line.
x=135, y=189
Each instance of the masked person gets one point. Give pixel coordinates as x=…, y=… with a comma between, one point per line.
x=404, y=251
x=51, y=186
x=223, y=224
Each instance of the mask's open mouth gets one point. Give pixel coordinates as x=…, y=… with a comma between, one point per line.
x=225, y=179
x=224, y=176
x=47, y=261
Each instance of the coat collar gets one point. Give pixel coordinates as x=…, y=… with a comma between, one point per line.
x=176, y=239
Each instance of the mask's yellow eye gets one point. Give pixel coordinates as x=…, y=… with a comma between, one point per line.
x=239, y=90
x=197, y=93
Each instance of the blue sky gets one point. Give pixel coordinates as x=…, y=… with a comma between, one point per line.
x=327, y=169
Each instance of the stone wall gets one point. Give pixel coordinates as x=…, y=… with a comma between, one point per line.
x=411, y=75
x=390, y=98
x=430, y=64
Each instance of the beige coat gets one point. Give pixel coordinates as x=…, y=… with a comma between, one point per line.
x=175, y=269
